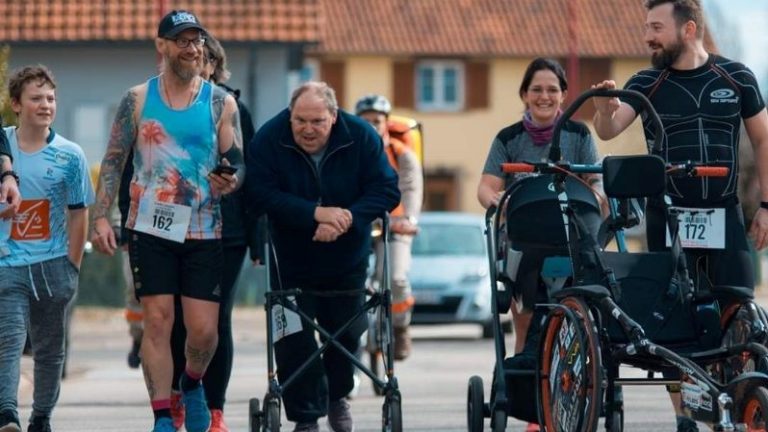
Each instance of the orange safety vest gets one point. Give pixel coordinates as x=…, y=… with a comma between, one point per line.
x=395, y=149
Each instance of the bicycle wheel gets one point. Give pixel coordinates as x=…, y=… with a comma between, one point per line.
x=475, y=404
x=754, y=412
x=377, y=368
x=570, y=371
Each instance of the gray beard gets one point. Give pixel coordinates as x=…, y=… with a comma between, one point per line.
x=184, y=73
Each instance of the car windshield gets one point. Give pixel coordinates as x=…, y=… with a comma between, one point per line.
x=449, y=239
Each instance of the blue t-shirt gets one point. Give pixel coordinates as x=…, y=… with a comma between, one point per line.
x=52, y=180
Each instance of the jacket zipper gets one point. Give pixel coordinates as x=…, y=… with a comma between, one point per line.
x=316, y=170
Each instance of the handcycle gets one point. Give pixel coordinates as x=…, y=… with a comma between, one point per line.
x=606, y=309
x=283, y=312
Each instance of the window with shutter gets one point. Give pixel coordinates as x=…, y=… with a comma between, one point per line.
x=403, y=84
x=440, y=85
x=332, y=72
x=477, y=85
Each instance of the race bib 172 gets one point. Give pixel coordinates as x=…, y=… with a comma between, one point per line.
x=700, y=228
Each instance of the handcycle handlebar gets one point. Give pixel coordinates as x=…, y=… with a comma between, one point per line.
x=693, y=169
x=554, y=151
x=550, y=168
x=684, y=169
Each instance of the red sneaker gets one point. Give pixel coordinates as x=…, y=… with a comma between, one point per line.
x=217, y=421
x=532, y=427
x=177, y=410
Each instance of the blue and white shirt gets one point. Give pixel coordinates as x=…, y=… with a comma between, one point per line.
x=52, y=180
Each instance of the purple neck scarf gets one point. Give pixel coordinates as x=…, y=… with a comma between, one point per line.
x=541, y=135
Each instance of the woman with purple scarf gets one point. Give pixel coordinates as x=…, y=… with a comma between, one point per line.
x=543, y=91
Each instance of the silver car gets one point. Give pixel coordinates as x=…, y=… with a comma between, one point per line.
x=449, y=274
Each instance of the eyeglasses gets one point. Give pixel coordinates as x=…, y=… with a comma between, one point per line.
x=184, y=42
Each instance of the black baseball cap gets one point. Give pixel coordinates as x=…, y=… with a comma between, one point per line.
x=176, y=21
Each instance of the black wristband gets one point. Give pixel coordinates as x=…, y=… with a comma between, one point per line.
x=764, y=204
x=9, y=173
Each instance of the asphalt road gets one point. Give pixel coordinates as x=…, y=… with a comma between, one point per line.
x=102, y=394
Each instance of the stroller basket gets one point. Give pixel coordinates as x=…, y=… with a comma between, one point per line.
x=534, y=216
x=535, y=230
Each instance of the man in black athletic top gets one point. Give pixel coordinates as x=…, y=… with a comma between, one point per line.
x=702, y=99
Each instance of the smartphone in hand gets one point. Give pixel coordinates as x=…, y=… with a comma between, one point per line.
x=224, y=169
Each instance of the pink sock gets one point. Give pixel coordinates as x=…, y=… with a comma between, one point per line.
x=161, y=404
x=192, y=374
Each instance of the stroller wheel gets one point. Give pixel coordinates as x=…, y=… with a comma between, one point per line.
x=754, y=412
x=475, y=404
x=617, y=421
x=570, y=370
x=392, y=420
x=271, y=414
x=254, y=415
x=499, y=421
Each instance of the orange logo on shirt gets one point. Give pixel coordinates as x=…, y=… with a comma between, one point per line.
x=33, y=221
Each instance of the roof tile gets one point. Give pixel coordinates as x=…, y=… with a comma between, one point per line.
x=123, y=20
x=483, y=27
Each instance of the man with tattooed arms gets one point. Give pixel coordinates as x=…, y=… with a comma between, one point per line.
x=185, y=136
x=9, y=186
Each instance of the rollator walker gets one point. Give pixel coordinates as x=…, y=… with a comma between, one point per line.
x=264, y=416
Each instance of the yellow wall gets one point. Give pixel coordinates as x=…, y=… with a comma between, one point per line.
x=366, y=75
x=460, y=141
x=630, y=141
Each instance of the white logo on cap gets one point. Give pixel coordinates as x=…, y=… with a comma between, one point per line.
x=183, y=17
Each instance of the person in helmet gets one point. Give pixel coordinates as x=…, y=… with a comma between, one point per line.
x=375, y=110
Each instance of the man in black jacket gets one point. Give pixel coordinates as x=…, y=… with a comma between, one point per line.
x=322, y=177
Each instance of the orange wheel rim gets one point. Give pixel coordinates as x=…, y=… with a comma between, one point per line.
x=547, y=370
x=728, y=313
x=754, y=416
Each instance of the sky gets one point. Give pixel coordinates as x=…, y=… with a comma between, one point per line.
x=749, y=18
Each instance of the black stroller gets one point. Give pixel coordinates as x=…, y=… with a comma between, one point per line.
x=607, y=309
x=265, y=416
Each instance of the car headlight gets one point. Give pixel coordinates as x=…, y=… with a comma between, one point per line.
x=475, y=275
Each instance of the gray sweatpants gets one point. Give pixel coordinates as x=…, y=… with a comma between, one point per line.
x=34, y=298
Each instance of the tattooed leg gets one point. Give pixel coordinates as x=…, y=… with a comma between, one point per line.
x=201, y=319
x=156, y=361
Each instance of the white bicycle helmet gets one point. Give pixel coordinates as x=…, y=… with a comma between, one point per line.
x=373, y=102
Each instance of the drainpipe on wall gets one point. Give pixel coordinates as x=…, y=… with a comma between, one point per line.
x=573, y=47
x=251, y=85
